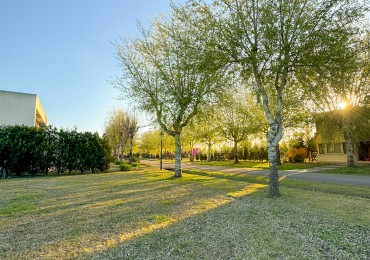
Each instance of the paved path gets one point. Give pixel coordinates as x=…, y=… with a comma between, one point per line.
x=311, y=174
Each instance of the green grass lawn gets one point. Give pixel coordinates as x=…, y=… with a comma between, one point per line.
x=261, y=165
x=149, y=214
x=358, y=170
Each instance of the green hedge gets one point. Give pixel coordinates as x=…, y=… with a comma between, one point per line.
x=39, y=150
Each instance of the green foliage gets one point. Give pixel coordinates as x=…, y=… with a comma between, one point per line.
x=296, y=155
x=135, y=164
x=117, y=162
x=37, y=150
x=351, y=120
x=125, y=167
x=248, y=152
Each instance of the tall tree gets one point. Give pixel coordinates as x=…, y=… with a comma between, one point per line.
x=166, y=72
x=149, y=143
x=240, y=117
x=132, y=126
x=190, y=137
x=273, y=40
x=207, y=124
x=116, y=131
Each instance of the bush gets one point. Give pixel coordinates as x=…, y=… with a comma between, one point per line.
x=125, y=167
x=135, y=164
x=35, y=150
x=296, y=155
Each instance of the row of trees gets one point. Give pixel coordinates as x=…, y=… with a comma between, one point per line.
x=40, y=150
x=149, y=147
x=120, y=130
x=281, y=51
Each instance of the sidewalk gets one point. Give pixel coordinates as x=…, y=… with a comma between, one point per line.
x=311, y=174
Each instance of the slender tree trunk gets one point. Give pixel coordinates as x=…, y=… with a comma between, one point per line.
x=236, y=159
x=192, y=154
x=178, y=170
x=275, y=132
x=123, y=147
x=116, y=151
x=130, y=153
x=209, y=152
x=350, y=150
x=273, y=138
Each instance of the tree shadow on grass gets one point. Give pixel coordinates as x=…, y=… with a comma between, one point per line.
x=78, y=216
x=244, y=228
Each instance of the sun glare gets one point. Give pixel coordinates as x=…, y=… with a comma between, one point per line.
x=343, y=105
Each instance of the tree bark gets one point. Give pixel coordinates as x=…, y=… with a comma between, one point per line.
x=209, y=152
x=191, y=156
x=130, y=153
x=178, y=170
x=236, y=159
x=278, y=155
x=350, y=150
x=273, y=138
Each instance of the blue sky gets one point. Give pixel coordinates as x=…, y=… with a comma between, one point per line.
x=61, y=51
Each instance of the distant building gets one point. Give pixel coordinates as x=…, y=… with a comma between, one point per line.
x=21, y=109
x=331, y=144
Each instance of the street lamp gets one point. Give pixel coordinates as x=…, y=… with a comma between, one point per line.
x=160, y=162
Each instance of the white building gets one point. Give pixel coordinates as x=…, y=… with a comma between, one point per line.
x=21, y=109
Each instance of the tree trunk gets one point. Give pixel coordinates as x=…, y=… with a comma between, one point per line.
x=350, y=151
x=123, y=148
x=130, y=153
x=209, y=152
x=192, y=155
x=236, y=159
x=178, y=170
x=278, y=155
x=116, y=152
x=273, y=138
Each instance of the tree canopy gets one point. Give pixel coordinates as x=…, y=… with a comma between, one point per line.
x=181, y=61
x=166, y=72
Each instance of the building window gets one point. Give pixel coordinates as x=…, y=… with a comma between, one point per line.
x=330, y=148
x=338, y=148
x=344, y=148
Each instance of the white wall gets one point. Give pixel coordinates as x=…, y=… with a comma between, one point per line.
x=17, y=108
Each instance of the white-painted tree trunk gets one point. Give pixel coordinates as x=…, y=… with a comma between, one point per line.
x=178, y=170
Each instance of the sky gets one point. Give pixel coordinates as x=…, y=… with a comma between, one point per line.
x=62, y=51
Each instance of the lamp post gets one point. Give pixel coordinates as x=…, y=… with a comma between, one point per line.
x=160, y=158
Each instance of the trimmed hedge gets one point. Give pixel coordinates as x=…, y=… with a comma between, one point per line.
x=39, y=150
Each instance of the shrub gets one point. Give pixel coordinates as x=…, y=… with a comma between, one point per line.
x=135, y=164
x=35, y=150
x=125, y=167
x=296, y=154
